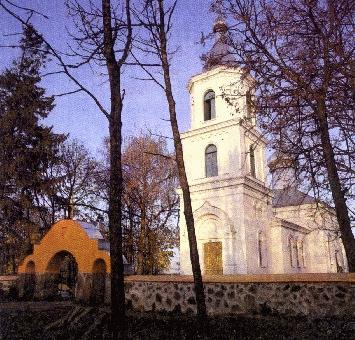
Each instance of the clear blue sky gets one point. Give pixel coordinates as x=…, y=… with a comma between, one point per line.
x=145, y=103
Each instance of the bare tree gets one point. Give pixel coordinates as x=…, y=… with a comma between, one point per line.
x=300, y=55
x=156, y=18
x=103, y=38
x=71, y=185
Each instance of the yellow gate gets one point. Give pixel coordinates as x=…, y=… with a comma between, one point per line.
x=213, y=258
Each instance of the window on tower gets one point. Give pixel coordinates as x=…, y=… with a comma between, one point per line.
x=252, y=161
x=211, y=161
x=250, y=105
x=209, y=105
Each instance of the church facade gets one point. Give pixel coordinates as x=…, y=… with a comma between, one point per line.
x=244, y=226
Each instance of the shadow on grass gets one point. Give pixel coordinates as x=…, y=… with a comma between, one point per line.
x=48, y=320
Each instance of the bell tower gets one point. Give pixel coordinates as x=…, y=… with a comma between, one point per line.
x=222, y=118
x=225, y=164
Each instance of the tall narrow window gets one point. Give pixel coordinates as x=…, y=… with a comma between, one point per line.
x=297, y=254
x=211, y=161
x=290, y=249
x=252, y=161
x=209, y=105
x=301, y=251
x=262, y=249
x=339, y=261
x=249, y=102
x=329, y=248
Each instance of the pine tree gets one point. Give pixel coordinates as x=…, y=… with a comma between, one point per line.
x=26, y=145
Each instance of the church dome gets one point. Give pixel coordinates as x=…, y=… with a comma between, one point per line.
x=220, y=26
x=280, y=161
x=221, y=52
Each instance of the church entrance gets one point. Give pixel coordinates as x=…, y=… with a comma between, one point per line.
x=213, y=258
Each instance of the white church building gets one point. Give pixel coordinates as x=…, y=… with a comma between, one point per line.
x=244, y=226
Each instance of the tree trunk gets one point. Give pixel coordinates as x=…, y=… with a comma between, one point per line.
x=335, y=186
x=14, y=267
x=115, y=187
x=129, y=239
x=195, y=261
x=141, y=260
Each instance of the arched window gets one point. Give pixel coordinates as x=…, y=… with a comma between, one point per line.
x=291, y=252
x=252, y=161
x=211, y=161
x=262, y=249
x=209, y=105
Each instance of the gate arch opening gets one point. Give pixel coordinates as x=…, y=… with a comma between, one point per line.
x=64, y=268
x=99, y=270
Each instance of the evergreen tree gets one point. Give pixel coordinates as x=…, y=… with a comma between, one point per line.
x=26, y=146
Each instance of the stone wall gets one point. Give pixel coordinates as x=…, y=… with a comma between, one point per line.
x=306, y=294
x=8, y=288
x=6, y=282
x=317, y=299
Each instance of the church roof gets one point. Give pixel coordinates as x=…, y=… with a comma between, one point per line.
x=220, y=53
x=91, y=230
x=291, y=197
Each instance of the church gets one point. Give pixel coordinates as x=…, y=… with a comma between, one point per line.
x=242, y=224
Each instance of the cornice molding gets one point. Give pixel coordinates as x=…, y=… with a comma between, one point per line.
x=279, y=222
x=215, y=71
x=210, y=128
x=221, y=183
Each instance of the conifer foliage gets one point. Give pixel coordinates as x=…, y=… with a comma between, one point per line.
x=26, y=147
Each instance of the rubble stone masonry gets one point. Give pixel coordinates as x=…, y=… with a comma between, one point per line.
x=316, y=295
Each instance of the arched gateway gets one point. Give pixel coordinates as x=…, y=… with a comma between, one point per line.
x=71, y=261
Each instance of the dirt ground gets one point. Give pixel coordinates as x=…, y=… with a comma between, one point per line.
x=65, y=320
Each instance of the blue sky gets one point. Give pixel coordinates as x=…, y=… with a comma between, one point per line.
x=145, y=104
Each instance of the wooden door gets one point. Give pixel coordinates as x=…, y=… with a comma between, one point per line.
x=213, y=258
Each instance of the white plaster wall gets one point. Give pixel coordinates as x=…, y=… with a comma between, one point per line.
x=257, y=218
x=225, y=83
x=320, y=222
x=248, y=139
x=210, y=227
x=317, y=257
x=276, y=249
x=228, y=149
x=233, y=207
x=223, y=192
x=297, y=237
x=247, y=215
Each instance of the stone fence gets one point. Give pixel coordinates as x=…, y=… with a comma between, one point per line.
x=8, y=287
x=317, y=295
x=305, y=294
x=7, y=281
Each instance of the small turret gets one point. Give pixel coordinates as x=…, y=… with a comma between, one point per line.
x=282, y=168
